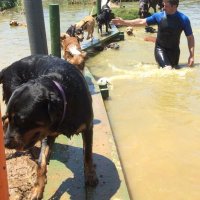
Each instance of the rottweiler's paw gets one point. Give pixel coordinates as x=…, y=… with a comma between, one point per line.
x=37, y=191
x=36, y=195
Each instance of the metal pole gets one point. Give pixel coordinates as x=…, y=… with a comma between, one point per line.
x=3, y=173
x=36, y=26
x=54, y=16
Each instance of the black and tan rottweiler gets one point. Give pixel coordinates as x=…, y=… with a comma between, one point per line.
x=145, y=5
x=104, y=18
x=46, y=96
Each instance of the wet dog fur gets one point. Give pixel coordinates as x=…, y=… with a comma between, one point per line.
x=104, y=18
x=16, y=23
x=72, y=51
x=73, y=31
x=145, y=5
x=153, y=4
x=144, y=9
x=87, y=24
x=46, y=96
x=129, y=30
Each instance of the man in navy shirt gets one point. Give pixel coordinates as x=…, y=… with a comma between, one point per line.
x=170, y=23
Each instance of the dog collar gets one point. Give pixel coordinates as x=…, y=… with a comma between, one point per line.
x=64, y=100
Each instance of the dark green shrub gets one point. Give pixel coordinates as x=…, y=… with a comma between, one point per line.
x=5, y=4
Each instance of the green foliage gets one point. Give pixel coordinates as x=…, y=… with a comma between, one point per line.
x=126, y=13
x=5, y=4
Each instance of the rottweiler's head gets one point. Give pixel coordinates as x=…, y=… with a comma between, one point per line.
x=27, y=118
x=73, y=31
x=143, y=10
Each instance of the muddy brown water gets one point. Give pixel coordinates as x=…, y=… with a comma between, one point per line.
x=154, y=113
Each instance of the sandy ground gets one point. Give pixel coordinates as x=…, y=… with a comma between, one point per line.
x=22, y=171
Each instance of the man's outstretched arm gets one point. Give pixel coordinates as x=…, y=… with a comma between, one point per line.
x=134, y=22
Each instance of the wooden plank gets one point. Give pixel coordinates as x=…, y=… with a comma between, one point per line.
x=98, y=41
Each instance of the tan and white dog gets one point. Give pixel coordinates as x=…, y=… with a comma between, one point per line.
x=87, y=24
x=129, y=30
x=72, y=51
x=16, y=23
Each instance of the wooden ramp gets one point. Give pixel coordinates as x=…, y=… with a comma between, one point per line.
x=65, y=172
x=114, y=34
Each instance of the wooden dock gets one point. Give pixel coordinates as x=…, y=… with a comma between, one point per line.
x=114, y=34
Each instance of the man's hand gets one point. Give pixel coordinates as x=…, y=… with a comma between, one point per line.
x=117, y=21
x=190, y=61
x=190, y=40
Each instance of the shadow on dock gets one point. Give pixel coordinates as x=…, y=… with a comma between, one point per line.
x=107, y=173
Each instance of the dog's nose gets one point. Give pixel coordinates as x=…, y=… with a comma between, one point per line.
x=7, y=142
x=10, y=142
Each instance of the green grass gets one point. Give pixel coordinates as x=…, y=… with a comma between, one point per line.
x=126, y=13
x=127, y=10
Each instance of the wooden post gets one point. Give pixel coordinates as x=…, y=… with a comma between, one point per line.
x=98, y=7
x=54, y=16
x=36, y=26
x=4, y=195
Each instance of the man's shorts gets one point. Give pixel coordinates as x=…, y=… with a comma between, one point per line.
x=166, y=56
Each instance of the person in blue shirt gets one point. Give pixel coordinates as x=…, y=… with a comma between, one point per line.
x=170, y=23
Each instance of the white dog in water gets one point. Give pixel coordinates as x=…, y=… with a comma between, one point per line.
x=103, y=81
